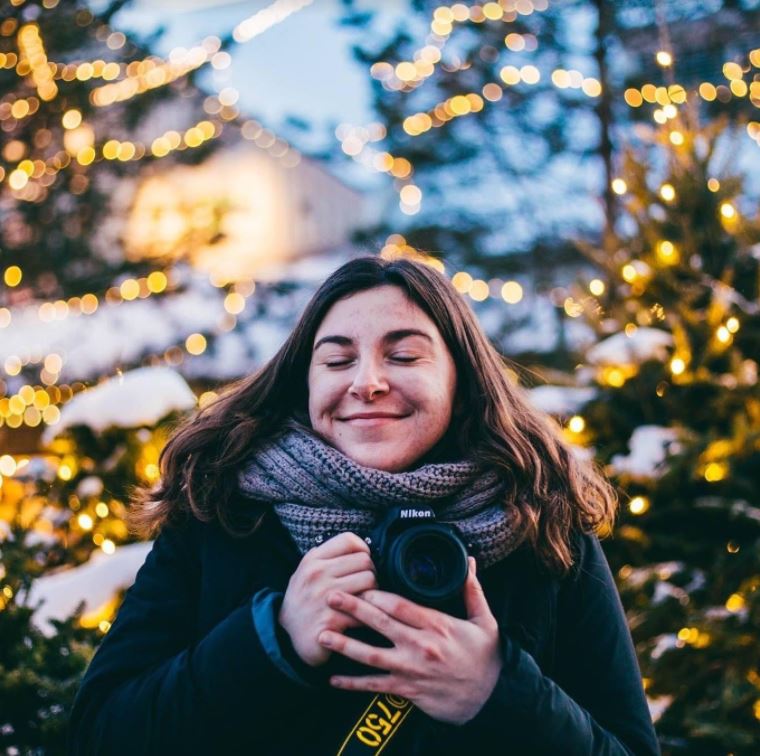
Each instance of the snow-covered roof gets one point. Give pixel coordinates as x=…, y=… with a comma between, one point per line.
x=141, y=397
x=95, y=582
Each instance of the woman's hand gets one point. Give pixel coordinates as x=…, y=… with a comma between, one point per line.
x=447, y=667
x=342, y=563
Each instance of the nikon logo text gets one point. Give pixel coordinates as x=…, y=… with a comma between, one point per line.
x=414, y=513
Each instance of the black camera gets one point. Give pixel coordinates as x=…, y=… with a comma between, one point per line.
x=415, y=557
x=420, y=559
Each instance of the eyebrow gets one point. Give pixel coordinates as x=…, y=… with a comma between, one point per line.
x=390, y=337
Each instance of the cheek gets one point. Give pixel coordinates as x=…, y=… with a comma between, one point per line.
x=324, y=394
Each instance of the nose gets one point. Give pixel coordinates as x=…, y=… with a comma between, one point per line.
x=369, y=380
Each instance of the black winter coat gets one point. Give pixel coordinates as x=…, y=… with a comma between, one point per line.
x=183, y=671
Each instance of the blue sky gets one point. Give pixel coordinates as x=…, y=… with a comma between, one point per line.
x=301, y=67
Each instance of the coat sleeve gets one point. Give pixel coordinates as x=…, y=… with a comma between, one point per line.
x=594, y=704
x=151, y=688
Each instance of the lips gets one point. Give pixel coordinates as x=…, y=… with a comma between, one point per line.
x=373, y=416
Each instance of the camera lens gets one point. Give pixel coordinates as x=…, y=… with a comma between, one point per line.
x=426, y=561
x=428, y=564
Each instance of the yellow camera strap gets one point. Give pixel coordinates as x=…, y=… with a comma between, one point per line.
x=378, y=723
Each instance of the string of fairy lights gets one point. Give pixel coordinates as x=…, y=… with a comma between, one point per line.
x=32, y=405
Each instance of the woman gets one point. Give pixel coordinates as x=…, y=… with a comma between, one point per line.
x=233, y=636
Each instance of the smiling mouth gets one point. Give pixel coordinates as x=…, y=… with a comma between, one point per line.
x=371, y=418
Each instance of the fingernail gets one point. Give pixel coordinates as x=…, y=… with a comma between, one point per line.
x=325, y=639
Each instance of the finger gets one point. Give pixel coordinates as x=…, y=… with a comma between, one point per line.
x=369, y=615
x=382, y=658
x=347, y=564
x=343, y=543
x=356, y=583
x=474, y=597
x=403, y=610
x=371, y=683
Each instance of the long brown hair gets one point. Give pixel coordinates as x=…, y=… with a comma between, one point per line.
x=556, y=492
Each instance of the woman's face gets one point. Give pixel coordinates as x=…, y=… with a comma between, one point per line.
x=381, y=380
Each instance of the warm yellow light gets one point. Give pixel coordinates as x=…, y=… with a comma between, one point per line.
x=461, y=281
x=732, y=71
x=573, y=308
x=101, y=509
x=206, y=398
x=12, y=365
x=7, y=465
x=576, y=424
x=234, y=303
x=676, y=138
x=509, y=75
x=53, y=363
x=668, y=192
x=591, y=87
x=86, y=155
x=613, y=376
x=18, y=179
x=157, y=282
x=707, y=91
x=633, y=98
x=667, y=253
x=735, y=602
x=195, y=343
x=732, y=324
x=406, y=71
x=85, y=521
x=108, y=546
x=723, y=335
x=511, y=292
x=670, y=111
x=638, y=505
x=13, y=276
x=619, y=186
x=530, y=74
x=713, y=184
x=410, y=194
x=71, y=119
x=664, y=58
x=596, y=287
x=51, y=415
x=129, y=289
x=479, y=290
x=715, y=471
x=727, y=210
x=629, y=273
x=677, y=366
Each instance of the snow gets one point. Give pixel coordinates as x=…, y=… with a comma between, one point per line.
x=140, y=397
x=560, y=400
x=649, y=445
x=95, y=582
x=90, y=345
x=621, y=349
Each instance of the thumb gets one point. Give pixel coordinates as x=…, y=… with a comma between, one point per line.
x=474, y=597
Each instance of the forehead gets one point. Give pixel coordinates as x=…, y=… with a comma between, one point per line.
x=377, y=310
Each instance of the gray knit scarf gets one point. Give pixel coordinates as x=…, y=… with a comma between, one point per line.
x=318, y=492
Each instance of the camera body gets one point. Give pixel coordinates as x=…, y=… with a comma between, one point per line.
x=415, y=557
x=420, y=559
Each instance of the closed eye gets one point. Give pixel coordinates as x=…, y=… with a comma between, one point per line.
x=405, y=358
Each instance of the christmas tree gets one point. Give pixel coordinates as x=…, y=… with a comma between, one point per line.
x=675, y=417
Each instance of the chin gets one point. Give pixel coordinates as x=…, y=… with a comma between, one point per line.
x=378, y=460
